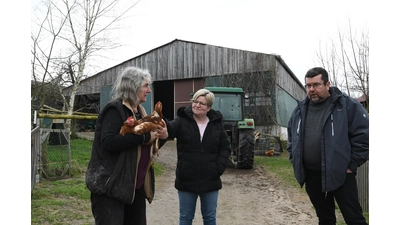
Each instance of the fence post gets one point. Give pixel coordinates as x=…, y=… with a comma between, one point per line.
x=363, y=186
x=35, y=155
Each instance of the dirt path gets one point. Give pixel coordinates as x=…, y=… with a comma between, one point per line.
x=248, y=197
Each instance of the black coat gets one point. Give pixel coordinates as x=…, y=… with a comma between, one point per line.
x=112, y=167
x=200, y=163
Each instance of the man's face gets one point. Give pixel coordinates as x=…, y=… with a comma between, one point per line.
x=317, y=91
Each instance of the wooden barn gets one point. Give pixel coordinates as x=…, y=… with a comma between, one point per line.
x=180, y=68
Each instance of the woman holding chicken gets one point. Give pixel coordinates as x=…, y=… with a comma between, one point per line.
x=203, y=150
x=120, y=175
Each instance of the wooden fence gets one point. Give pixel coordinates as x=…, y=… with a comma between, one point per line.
x=363, y=186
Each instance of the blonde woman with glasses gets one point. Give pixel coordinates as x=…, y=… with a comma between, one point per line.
x=203, y=149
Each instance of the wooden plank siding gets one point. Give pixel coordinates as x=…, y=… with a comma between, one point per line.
x=291, y=86
x=188, y=60
x=363, y=186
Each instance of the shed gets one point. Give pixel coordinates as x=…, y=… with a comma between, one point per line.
x=181, y=67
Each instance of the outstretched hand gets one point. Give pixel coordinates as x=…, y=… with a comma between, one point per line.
x=162, y=131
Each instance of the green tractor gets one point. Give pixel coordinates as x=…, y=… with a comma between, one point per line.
x=230, y=101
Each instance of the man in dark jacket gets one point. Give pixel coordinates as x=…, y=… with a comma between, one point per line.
x=328, y=139
x=203, y=150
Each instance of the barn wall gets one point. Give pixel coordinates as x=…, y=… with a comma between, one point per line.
x=186, y=65
x=287, y=83
x=183, y=60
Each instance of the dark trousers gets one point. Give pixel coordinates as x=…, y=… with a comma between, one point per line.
x=346, y=198
x=107, y=211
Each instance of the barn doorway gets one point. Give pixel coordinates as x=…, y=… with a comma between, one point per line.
x=163, y=91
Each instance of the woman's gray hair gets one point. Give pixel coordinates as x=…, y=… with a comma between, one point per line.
x=206, y=94
x=128, y=83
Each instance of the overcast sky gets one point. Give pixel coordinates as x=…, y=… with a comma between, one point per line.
x=291, y=29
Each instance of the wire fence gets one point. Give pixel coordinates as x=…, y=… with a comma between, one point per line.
x=51, y=149
x=50, y=154
x=265, y=144
x=56, y=153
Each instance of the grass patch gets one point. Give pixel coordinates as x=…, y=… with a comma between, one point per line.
x=81, y=150
x=67, y=201
x=280, y=167
x=57, y=202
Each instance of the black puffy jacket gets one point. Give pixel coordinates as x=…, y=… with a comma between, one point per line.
x=200, y=163
x=344, y=141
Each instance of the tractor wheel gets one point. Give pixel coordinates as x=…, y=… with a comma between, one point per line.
x=245, y=157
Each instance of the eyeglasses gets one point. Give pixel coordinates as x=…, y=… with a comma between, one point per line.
x=195, y=102
x=315, y=86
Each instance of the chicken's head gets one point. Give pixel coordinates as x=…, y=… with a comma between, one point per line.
x=130, y=121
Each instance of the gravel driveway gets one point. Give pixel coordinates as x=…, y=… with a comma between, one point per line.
x=247, y=197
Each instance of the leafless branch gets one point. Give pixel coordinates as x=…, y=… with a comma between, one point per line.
x=348, y=62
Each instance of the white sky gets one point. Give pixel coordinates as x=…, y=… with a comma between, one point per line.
x=291, y=29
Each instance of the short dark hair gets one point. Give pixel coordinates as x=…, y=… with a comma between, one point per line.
x=317, y=71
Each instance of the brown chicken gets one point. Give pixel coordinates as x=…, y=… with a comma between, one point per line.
x=269, y=152
x=145, y=125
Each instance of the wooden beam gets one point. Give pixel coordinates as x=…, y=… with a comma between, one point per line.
x=57, y=116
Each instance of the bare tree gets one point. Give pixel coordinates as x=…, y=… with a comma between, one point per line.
x=347, y=61
x=42, y=56
x=79, y=30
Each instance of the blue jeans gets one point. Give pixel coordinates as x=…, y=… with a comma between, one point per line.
x=187, y=207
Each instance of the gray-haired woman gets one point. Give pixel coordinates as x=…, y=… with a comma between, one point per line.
x=120, y=175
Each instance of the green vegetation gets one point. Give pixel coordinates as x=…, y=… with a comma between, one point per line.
x=281, y=167
x=56, y=202
x=81, y=150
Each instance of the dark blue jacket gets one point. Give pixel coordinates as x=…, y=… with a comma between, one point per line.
x=344, y=141
x=200, y=163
